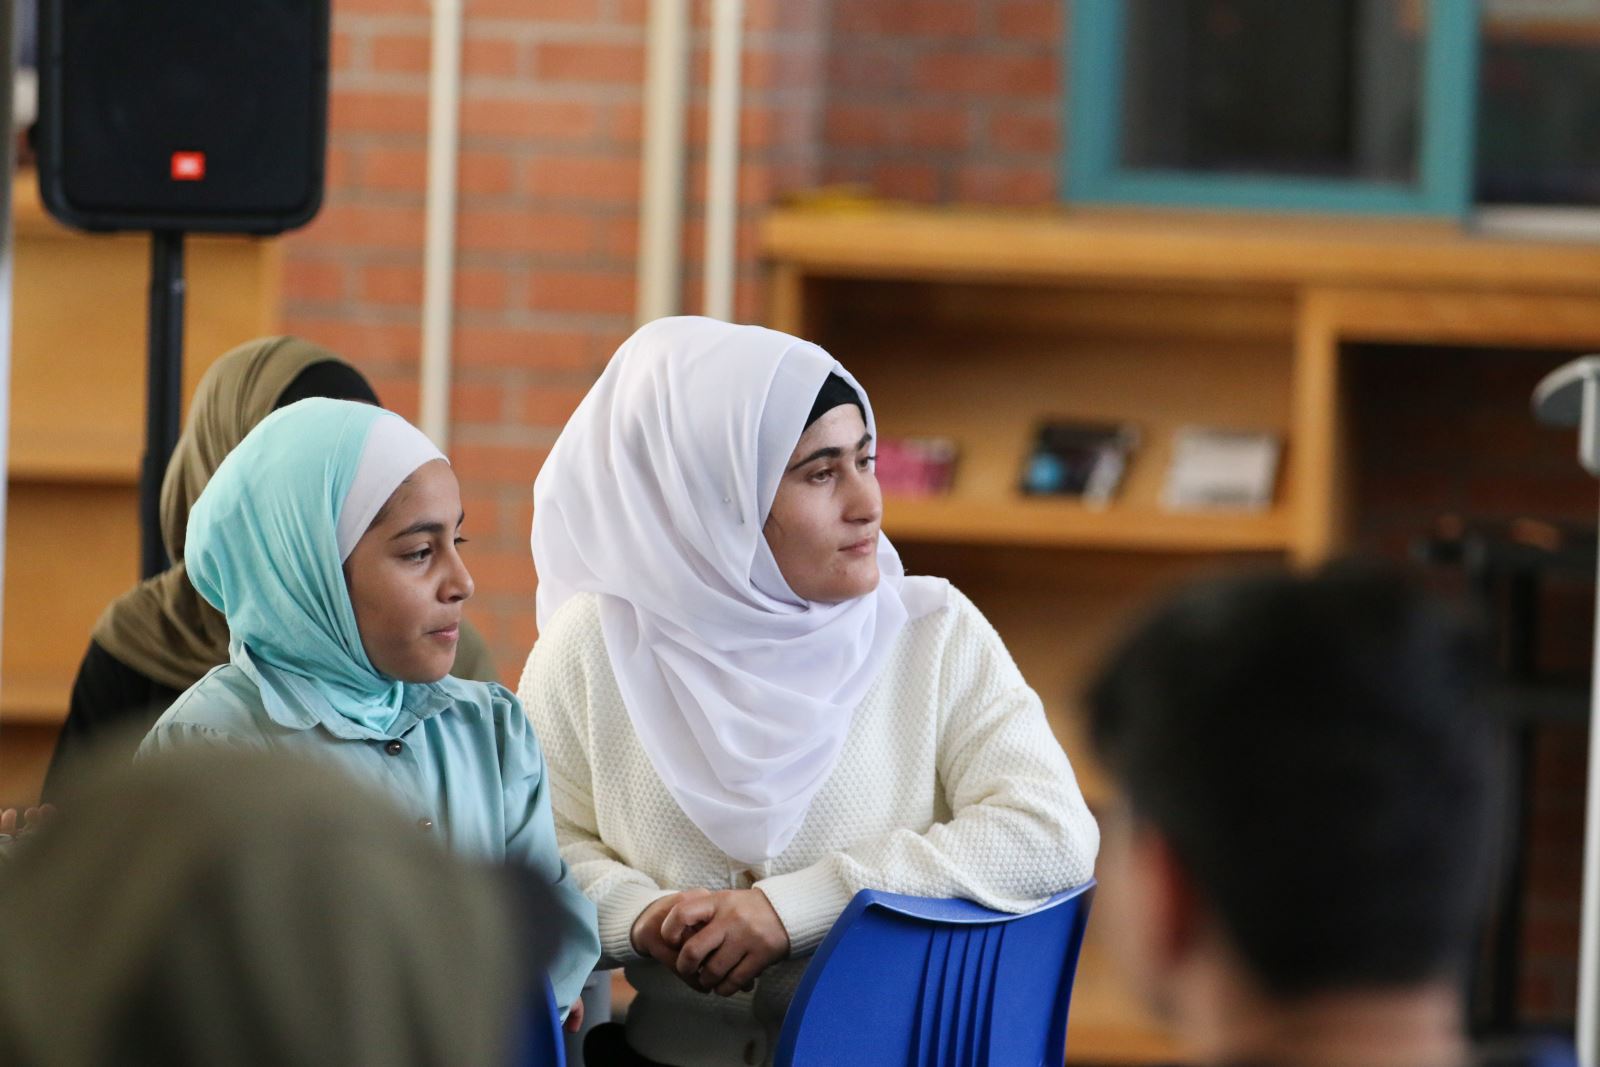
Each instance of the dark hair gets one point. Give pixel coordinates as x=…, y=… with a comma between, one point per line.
x=835, y=392
x=329, y=378
x=1320, y=753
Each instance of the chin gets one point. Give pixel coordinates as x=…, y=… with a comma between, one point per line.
x=421, y=672
x=852, y=588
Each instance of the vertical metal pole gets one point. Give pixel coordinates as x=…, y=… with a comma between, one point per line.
x=163, y=391
x=1589, y=928
x=722, y=158
x=439, y=251
x=666, y=91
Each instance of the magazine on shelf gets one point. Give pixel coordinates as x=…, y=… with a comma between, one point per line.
x=1079, y=459
x=1221, y=470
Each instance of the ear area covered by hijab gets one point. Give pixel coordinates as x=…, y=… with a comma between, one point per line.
x=654, y=498
x=264, y=549
x=162, y=628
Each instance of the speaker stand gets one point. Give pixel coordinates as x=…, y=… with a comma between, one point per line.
x=163, y=391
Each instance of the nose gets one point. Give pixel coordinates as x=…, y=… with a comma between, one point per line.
x=864, y=501
x=457, y=585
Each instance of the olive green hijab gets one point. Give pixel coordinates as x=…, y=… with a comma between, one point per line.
x=225, y=907
x=162, y=628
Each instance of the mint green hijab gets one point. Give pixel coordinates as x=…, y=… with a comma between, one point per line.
x=263, y=549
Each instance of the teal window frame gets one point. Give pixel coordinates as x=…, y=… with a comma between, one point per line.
x=1092, y=171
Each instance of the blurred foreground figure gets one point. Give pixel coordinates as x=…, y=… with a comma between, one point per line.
x=221, y=908
x=1297, y=863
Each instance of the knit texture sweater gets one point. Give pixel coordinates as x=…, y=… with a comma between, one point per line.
x=950, y=784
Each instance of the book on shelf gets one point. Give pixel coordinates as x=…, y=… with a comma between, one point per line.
x=1222, y=470
x=1079, y=459
x=916, y=466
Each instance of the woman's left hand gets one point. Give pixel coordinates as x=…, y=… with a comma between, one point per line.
x=740, y=936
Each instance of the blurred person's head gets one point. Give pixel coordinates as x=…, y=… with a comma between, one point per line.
x=1306, y=780
x=227, y=908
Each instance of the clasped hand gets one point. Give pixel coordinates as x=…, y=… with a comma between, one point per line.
x=717, y=942
x=30, y=821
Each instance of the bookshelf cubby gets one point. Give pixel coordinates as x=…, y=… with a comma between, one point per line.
x=975, y=324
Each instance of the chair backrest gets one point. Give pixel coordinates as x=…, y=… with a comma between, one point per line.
x=938, y=983
x=540, y=1042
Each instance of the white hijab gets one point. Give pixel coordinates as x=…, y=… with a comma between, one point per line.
x=654, y=497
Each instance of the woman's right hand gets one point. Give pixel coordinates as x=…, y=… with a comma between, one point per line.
x=725, y=939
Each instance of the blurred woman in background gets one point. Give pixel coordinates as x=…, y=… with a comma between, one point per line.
x=157, y=639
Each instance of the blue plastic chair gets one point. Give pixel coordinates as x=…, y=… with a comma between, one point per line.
x=541, y=1042
x=938, y=983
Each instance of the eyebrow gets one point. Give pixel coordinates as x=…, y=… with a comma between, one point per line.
x=427, y=526
x=831, y=452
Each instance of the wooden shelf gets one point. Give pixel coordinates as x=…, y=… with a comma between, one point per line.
x=32, y=699
x=1067, y=524
x=875, y=239
x=79, y=455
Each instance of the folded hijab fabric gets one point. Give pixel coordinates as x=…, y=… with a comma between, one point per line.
x=162, y=628
x=654, y=498
x=221, y=908
x=265, y=548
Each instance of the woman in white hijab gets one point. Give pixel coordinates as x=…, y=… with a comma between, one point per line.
x=750, y=712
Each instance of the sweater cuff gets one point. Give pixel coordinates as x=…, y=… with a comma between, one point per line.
x=617, y=914
x=808, y=902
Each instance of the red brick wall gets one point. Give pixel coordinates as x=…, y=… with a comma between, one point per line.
x=935, y=100
x=549, y=184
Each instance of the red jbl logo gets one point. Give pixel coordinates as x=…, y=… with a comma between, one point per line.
x=188, y=166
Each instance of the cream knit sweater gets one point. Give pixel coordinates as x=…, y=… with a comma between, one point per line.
x=950, y=785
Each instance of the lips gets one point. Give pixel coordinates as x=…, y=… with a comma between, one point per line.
x=447, y=633
x=861, y=547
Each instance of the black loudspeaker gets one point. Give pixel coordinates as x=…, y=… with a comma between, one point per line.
x=184, y=115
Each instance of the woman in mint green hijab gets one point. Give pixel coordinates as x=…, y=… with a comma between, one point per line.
x=328, y=539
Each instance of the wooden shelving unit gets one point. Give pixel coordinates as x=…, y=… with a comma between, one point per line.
x=1064, y=524
x=76, y=439
x=977, y=324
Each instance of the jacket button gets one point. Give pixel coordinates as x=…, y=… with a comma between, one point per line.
x=425, y=824
x=394, y=748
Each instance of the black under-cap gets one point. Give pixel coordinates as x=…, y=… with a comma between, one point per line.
x=835, y=392
x=330, y=378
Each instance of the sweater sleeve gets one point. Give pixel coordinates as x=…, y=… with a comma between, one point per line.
x=555, y=690
x=1019, y=829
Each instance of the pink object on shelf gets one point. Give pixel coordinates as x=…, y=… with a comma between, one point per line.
x=916, y=466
